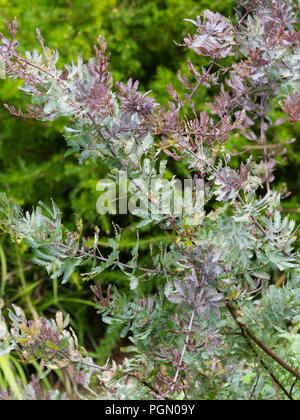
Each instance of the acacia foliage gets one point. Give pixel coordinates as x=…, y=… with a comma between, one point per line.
x=217, y=328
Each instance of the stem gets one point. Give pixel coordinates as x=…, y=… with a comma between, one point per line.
x=243, y=333
x=260, y=344
x=265, y=233
x=183, y=351
x=243, y=18
x=81, y=253
x=10, y=376
x=203, y=78
x=24, y=285
x=254, y=387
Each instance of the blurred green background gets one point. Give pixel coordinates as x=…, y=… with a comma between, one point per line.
x=33, y=165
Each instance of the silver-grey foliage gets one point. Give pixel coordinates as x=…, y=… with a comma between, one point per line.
x=218, y=327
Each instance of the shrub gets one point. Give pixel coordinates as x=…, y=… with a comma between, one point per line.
x=218, y=326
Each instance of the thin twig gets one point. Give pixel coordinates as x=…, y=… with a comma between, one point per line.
x=104, y=369
x=183, y=351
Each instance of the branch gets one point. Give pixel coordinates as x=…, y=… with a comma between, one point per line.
x=183, y=351
x=103, y=369
x=260, y=344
